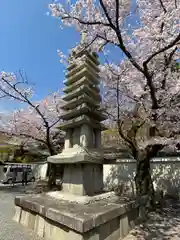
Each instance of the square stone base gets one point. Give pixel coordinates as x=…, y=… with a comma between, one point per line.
x=83, y=179
x=53, y=219
x=83, y=170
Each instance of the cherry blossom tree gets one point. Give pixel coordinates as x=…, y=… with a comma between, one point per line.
x=35, y=123
x=145, y=35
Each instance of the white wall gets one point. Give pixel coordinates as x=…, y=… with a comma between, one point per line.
x=1, y=172
x=165, y=174
x=40, y=170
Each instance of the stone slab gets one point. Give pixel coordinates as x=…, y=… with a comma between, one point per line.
x=17, y=215
x=50, y=230
x=80, y=199
x=83, y=80
x=39, y=226
x=81, y=90
x=84, y=108
x=77, y=155
x=78, y=101
x=77, y=217
x=84, y=119
x=89, y=54
x=88, y=58
x=85, y=70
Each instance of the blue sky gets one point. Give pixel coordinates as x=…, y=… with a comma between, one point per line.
x=29, y=41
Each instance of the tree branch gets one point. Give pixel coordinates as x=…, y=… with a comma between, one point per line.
x=170, y=45
x=126, y=52
x=23, y=99
x=54, y=123
x=117, y=13
x=107, y=41
x=23, y=135
x=151, y=87
x=15, y=93
x=166, y=65
x=175, y=3
x=162, y=5
x=86, y=22
x=119, y=36
x=107, y=15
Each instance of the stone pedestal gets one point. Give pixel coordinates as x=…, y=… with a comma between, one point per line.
x=106, y=219
x=83, y=179
x=83, y=171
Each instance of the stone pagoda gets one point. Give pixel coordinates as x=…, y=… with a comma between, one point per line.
x=82, y=123
x=80, y=211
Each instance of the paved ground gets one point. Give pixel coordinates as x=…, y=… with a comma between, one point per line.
x=162, y=225
x=10, y=230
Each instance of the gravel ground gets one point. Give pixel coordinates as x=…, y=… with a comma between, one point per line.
x=10, y=230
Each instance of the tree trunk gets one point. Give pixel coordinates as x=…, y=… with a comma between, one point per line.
x=49, y=142
x=51, y=150
x=143, y=180
x=52, y=175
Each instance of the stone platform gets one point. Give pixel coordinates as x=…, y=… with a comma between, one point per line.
x=106, y=219
x=71, y=198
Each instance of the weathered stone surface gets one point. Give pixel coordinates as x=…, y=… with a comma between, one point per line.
x=84, y=98
x=77, y=122
x=86, y=136
x=23, y=219
x=68, y=139
x=26, y=218
x=83, y=179
x=124, y=225
x=75, y=137
x=31, y=220
x=71, y=198
x=89, y=60
x=97, y=135
x=84, y=88
x=78, y=217
x=39, y=226
x=83, y=80
x=85, y=70
x=77, y=155
x=109, y=230
x=108, y=221
x=17, y=215
x=84, y=109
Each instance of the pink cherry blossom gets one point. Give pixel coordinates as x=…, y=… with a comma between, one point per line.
x=37, y=122
x=146, y=32
x=145, y=35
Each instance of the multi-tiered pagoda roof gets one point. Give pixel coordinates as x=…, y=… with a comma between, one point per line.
x=82, y=94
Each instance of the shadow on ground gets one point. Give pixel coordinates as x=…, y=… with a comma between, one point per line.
x=17, y=189
x=162, y=225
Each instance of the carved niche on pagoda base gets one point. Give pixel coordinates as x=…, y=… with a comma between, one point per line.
x=83, y=136
x=68, y=139
x=86, y=136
